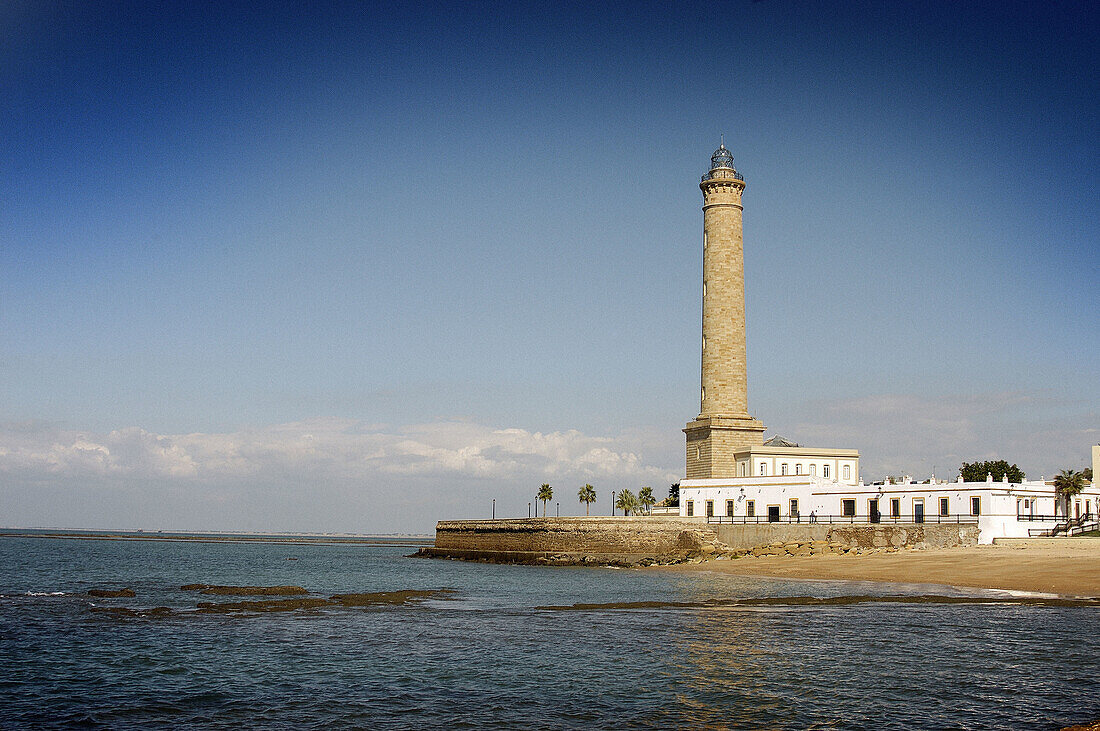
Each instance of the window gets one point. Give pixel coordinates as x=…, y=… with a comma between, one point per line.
x=848, y=507
x=704, y=289
x=729, y=507
x=813, y=470
x=698, y=453
x=1027, y=504
x=704, y=342
x=847, y=472
x=798, y=469
x=710, y=508
x=703, y=393
x=975, y=505
x=691, y=508
x=763, y=469
x=794, y=507
x=783, y=468
x=750, y=508
x=895, y=507
x=944, y=506
x=825, y=471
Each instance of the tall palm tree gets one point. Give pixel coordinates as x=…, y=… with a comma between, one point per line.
x=626, y=502
x=546, y=494
x=645, y=498
x=1067, y=484
x=587, y=495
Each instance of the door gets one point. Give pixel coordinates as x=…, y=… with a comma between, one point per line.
x=918, y=512
x=773, y=513
x=872, y=510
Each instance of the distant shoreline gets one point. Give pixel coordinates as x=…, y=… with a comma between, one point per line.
x=184, y=537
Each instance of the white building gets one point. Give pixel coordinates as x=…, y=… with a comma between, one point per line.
x=1000, y=509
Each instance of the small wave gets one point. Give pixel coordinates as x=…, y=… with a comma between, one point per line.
x=44, y=593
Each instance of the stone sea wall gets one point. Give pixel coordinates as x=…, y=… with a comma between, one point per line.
x=644, y=540
x=580, y=535
x=925, y=535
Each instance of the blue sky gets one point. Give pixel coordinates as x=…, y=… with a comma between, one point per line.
x=467, y=237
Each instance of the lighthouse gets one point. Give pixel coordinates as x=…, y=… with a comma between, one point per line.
x=723, y=426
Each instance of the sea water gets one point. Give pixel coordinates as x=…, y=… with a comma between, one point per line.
x=654, y=648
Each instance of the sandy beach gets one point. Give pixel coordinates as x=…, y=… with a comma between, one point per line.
x=1070, y=568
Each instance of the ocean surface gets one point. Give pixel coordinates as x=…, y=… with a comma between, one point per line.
x=651, y=648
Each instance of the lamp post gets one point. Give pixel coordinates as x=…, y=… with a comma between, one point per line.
x=528, y=510
x=494, y=508
x=612, y=503
x=558, y=509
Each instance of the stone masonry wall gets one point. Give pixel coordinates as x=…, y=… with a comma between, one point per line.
x=655, y=537
x=930, y=535
x=580, y=535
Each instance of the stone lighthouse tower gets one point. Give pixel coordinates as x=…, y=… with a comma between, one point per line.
x=723, y=426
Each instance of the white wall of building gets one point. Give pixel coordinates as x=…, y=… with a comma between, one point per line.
x=1003, y=510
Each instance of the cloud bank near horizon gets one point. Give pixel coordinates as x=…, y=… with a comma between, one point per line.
x=333, y=474
x=319, y=474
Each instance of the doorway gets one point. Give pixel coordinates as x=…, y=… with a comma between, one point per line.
x=918, y=511
x=773, y=513
x=872, y=510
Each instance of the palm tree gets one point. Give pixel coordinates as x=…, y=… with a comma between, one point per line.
x=587, y=494
x=1067, y=484
x=645, y=498
x=546, y=494
x=626, y=502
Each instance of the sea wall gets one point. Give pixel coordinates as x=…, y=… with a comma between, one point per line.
x=627, y=540
x=574, y=535
x=926, y=535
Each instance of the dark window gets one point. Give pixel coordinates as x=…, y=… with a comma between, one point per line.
x=975, y=506
x=710, y=508
x=750, y=508
x=895, y=507
x=729, y=507
x=944, y=506
x=691, y=508
x=849, y=507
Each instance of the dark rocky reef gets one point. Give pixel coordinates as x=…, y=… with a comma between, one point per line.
x=111, y=593
x=245, y=590
x=336, y=601
x=263, y=605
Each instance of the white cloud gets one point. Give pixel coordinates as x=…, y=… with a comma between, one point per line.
x=310, y=470
x=336, y=447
